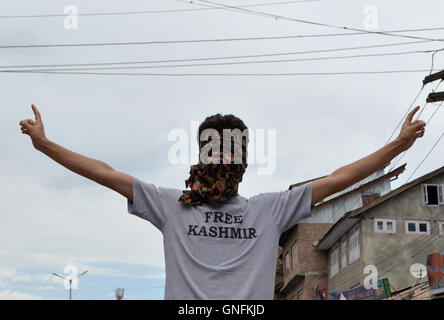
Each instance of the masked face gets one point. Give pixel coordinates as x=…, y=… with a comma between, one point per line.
x=217, y=175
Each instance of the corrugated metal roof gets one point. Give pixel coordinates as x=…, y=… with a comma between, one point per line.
x=417, y=292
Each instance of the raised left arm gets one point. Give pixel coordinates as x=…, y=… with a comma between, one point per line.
x=348, y=175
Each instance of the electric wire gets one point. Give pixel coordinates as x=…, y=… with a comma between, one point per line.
x=422, y=109
x=205, y=64
x=405, y=114
x=275, y=16
x=127, y=43
x=427, y=155
x=148, y=11
x=217, y=74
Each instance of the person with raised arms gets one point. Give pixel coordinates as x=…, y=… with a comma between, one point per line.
x=218, y=244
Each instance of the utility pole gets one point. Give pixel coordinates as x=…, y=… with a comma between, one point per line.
x=435, y=96
x=70, y=281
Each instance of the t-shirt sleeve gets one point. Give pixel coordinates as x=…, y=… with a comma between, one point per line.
x=152, y=203
x=290, y=206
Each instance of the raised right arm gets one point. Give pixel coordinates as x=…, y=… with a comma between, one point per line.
x=92, y=169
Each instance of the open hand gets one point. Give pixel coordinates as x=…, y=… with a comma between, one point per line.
x=34, y=128
x=411, y=131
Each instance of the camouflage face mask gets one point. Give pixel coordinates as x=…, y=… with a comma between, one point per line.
x=215, y=181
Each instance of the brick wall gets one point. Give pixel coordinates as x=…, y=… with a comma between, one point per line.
x=311, y=266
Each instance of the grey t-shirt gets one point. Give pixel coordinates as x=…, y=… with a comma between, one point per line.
x=220, y=250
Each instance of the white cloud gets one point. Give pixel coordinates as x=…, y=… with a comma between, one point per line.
x=23, y=278
x=10, y=276
x=46, y=288
x=110, y=272
x=153, y=276
x=7, y=272
x=16, y=295
x=82, y=226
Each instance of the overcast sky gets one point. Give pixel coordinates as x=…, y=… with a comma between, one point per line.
x=50, y=218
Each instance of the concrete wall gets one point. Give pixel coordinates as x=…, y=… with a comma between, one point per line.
x=352, y=274
x=393, y=254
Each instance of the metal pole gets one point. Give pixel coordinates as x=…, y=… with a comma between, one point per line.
x=70, y=281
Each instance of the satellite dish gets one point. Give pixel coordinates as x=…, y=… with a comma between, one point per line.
x=418, y=270
x=119, y=293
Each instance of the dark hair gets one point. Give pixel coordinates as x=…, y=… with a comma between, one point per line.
x=220, y=122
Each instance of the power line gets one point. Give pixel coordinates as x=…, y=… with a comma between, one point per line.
x=405, y=114
x=174, y=42
x=405, y=152
x=427, y=155
x=422, y=88
x=204, y=64
x=149, y=11
x=422, y=110
x=226, y=8
x=434, y=112
x=274, y=16
x=218, y=74
x=216, y=58
x=221, y=39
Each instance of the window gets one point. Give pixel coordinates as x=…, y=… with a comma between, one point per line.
x=391, y=226
x=344, y=252
x=369, y=197
x=334, y=261
x=379, y=225
x=287, y=262
x=432, y=194
x=353, y=244
x=294, y=255
x=385, y=226
x=417, y=227
x=441, y=228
